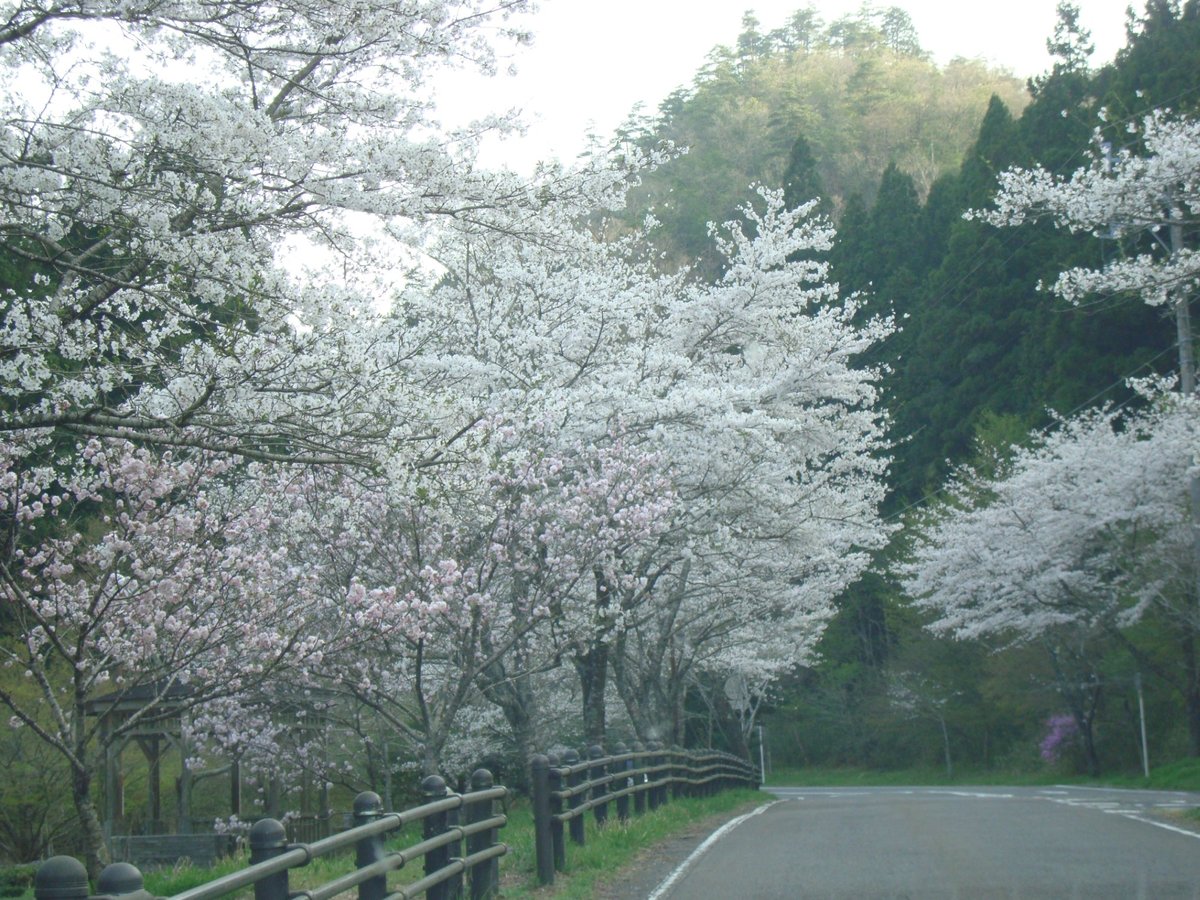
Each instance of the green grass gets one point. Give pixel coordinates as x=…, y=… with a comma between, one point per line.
x=1182, y=775
x=848, y=777
x=609, y=849
x=166, y=882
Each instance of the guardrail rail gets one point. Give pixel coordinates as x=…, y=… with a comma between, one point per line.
x=448, y=820
x=565, y=788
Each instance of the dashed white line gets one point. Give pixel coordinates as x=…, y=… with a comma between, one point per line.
x=974, y=795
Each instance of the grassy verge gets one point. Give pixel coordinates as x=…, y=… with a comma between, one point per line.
x=1182, y=775
x=607, y=850
x=849, y=777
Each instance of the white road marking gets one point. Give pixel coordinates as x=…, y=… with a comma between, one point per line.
x=973, y=795
x=1183, y=831
x=662, y=889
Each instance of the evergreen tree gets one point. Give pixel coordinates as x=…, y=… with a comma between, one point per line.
x=1157, y=68
x=801, y=179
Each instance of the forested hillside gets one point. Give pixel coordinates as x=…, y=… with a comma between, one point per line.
x=812, y=104
x=985, y=356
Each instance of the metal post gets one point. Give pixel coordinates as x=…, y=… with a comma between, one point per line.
x=596, y=772
x=368, y=807
x=556, y=808
x=485, y=877
x=1137, y=681
x=762, y=757
x=268, y=839
x=619, y=749
x=575, y=779
x=539, y=774
x=434, y=788
x=61, y=878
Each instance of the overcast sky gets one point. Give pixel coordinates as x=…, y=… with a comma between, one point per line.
x=592, y=60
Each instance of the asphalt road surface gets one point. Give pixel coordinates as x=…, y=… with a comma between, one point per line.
x=975, y=843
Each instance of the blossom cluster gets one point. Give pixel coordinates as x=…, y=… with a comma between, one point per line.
x=254, y=486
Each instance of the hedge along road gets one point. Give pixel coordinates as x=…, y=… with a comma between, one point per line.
x=948, y=842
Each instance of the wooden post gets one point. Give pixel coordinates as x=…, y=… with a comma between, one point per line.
x=434, y=788
x=543, y=843
x=485, y=877
x=268, y=839
x=368, y=807
x=596, y=773
x=620, y=749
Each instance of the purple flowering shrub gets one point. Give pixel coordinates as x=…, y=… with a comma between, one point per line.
x=1061, y=732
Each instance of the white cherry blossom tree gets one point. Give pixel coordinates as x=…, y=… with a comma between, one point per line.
x=749, y=391
x=197, y=201
x=779, y=444
x=1147, y=192
x=1149, y=186
x=1086, y=532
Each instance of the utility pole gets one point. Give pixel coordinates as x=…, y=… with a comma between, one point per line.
x=1187, y=388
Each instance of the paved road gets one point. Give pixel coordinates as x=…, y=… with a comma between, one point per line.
x=949, y=842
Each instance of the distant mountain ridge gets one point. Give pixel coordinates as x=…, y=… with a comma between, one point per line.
x=859, y=91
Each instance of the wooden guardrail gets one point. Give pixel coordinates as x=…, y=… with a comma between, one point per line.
x=448, y=820
x=564, y=789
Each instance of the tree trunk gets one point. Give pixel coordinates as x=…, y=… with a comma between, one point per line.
x=591, y=664
x=1089, y=749
x=518, y=704
x=429, y=760
x=95, y=851
x=592, y=668
x=677, y=697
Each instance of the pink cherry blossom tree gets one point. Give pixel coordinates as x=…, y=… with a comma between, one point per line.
x=438, y=582
x=129, y=575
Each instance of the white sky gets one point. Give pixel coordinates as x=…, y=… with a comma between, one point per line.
x=592, y=60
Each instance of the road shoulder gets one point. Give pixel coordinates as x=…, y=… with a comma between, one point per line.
x=652, y=865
